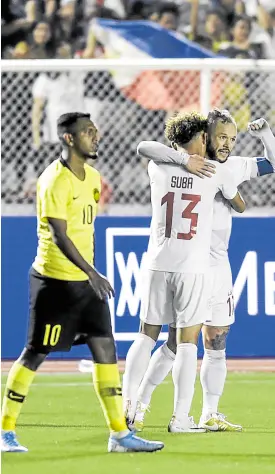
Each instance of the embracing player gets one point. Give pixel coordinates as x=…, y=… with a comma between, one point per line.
x=175, y=281
x=222, y=133
x=68, y=297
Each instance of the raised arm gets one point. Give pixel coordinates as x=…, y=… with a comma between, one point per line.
x=260, y=128
x=160, y=153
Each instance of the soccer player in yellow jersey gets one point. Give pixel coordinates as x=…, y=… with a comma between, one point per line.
x=68, y=297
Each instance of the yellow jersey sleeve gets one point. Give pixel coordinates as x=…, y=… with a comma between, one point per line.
x=54, y=199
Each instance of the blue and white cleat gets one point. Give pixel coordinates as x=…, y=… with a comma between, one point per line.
x=9, y=443
x=132, y=444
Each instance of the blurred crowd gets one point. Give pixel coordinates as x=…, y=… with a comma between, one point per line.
x=40, y=29
x=128, y=106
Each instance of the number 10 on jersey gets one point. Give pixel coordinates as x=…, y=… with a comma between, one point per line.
x=186, y=214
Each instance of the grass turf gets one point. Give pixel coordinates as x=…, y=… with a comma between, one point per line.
x=63, y=427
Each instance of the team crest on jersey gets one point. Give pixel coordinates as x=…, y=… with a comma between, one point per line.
x=96, y=195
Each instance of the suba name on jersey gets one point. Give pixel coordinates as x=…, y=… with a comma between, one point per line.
x=181, y=182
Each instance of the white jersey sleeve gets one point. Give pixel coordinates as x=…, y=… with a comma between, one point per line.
x=268, y=141
x=161, y=153
x=243, y=168
x=227, y=184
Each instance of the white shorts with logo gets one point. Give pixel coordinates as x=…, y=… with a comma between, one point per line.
x=179, y=299
x=221, y=301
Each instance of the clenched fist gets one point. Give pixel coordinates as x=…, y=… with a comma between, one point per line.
x=258, y=127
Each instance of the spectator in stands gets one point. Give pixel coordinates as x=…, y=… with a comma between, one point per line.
x=95, y=49
x=267, y=22
x=166, y=15
x=46, y=8
x=229, y=9
x=17, y=21
x=216, y=31
x=21, y=51
x=41, y=42
x=53, y=95
x=64, y=51
x=271, y=30
x=136, y=11
x=240, y=46
x=69, y=24
x=215, y=27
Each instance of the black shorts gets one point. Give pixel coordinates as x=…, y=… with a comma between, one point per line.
x=64, y=313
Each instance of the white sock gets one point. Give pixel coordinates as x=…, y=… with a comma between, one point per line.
x=159, y=367
x=137, y=362
x=213, y=374
x=119, y=434
x=184, y=376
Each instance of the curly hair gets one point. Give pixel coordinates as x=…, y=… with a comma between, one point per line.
x=182, y=128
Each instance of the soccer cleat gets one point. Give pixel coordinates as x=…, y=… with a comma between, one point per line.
x=218, y=422
x=189, y=426
x=142, y=408
x=9, y=443
x=132, y=444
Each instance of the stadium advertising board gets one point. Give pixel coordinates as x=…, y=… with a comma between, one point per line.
x=121, y=244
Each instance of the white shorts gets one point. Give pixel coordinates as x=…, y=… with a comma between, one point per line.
x=222, y=301
x=179, y=299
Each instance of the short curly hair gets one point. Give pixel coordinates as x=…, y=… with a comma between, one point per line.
x=182, y=128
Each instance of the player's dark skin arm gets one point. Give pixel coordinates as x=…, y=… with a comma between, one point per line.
x=238, y=203
x=100, y=284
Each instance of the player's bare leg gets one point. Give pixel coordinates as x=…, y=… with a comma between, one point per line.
x=184, y=376
x=108, y=389
x=213, y=374
x=137, y=362
x=18, y=384
x=159, y=367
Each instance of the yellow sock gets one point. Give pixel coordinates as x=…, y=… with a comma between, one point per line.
x=17, y=387
x=108, y=389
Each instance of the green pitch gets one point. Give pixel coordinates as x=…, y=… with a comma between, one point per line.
x=63, y=428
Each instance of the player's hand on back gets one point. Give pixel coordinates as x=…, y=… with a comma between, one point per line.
x=200, y=166
x=100, y=285
x=257, y=127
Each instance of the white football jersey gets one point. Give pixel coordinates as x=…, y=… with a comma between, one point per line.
x=243, y=169
x=182, y=211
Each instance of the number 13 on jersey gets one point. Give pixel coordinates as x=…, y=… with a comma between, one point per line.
x=186, y=214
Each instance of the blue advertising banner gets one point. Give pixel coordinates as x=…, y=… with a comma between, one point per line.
x=121, y=244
